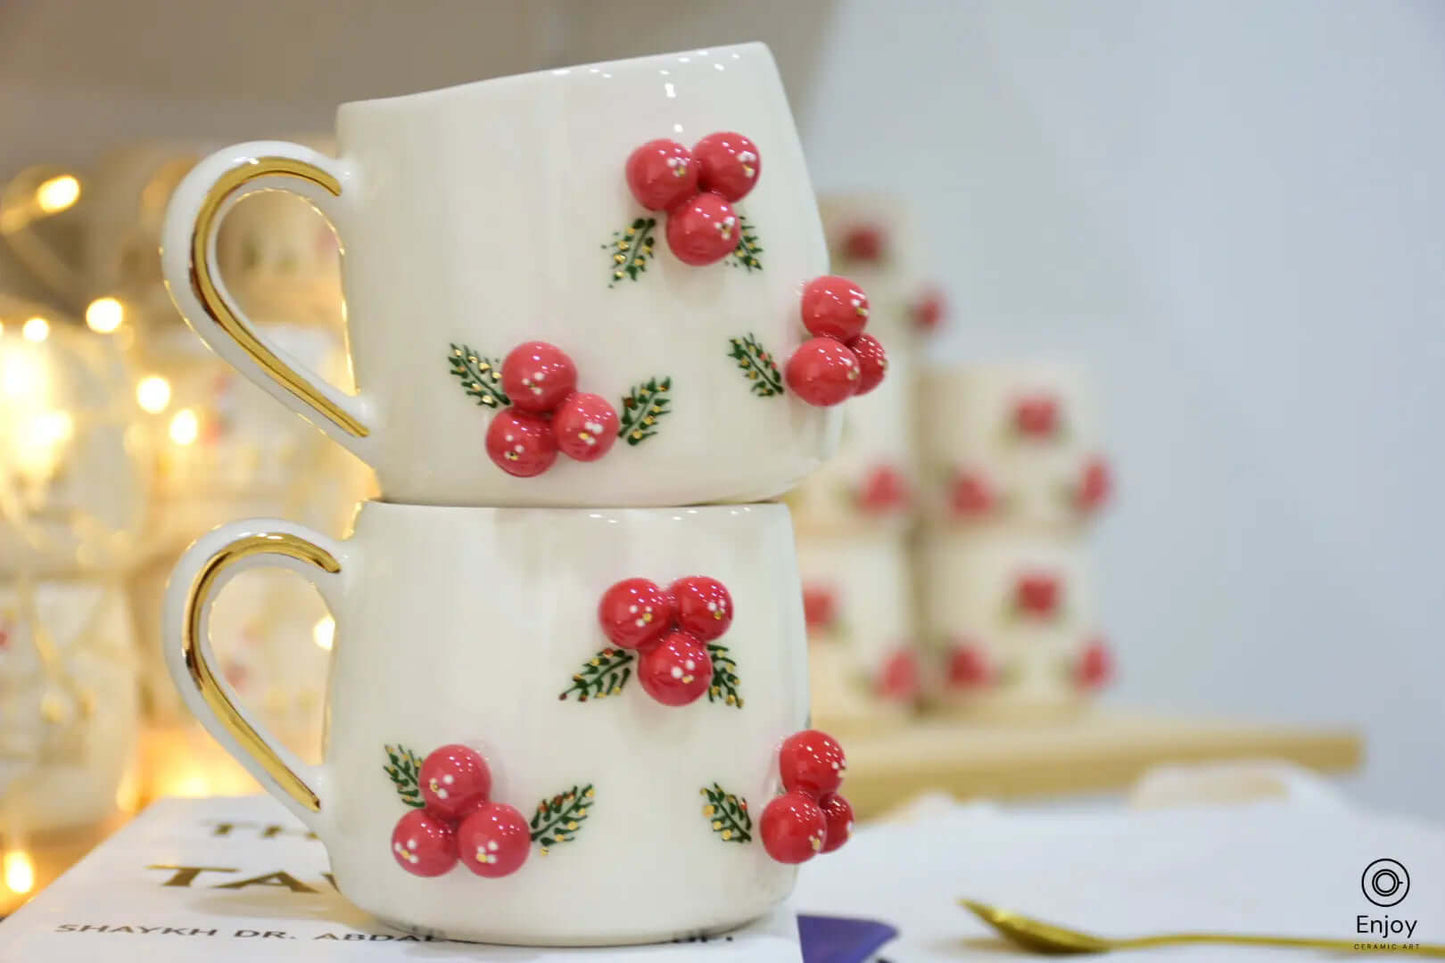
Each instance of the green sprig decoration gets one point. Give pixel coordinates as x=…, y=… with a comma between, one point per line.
x=642, y=408
x=758, y=364
x=724, y=686
x=403, y=767
x=479, y=375
x=558, y=819
x=631, y=249
x=728, y=815
x=748, y=249
x=605, y=674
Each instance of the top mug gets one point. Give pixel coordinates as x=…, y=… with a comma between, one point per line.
x=480, y=219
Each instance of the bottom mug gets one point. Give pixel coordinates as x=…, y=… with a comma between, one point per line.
x=520, y=749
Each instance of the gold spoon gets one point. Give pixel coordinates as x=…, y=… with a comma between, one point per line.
x=1044, y=937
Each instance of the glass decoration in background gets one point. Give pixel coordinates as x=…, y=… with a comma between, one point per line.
x=854, y=516
x=214, y=446
x=73, y=503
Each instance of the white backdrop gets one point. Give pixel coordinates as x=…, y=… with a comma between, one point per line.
x=1230, y=209
x=1233, y=212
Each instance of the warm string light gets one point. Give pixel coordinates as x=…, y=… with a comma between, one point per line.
x=57, y=194
x=153, y=394
x=19, y=871
x=104, y=315
x=37, y=329
x=185, y=427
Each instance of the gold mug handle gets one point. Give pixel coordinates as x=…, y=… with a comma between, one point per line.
x=201, y=572
x=188, y=260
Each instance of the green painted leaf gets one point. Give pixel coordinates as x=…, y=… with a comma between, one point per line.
x=724, y=686
x=757, y=366
x=642, y=408
x=598, y=678
x=480, y=376
x=727, y=815
x=559, y=819
x=630, y=249
x=403, y=768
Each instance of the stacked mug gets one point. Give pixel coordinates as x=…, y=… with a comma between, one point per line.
x=854, y=517
x=592, y=331
x=1014, y=479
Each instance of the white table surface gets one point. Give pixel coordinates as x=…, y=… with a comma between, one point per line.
x=1280, y=868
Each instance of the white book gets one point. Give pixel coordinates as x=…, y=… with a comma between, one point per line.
x=235, y=879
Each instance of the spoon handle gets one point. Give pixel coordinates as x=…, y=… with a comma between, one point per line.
x=1420, y=949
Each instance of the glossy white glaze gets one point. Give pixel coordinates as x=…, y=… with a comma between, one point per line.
x=464, y=625
x=482, y=214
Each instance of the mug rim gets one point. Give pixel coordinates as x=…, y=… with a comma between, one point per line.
x=423, y=97
x=381, y=506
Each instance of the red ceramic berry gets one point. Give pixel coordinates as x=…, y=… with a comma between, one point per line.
x=675, y=671
x=1037, y=594
x=838, y=816
x=812, y=762
x=704, y=607
x=820, y=607
x=661, y=173
x=872, y=362
x=929, y=311
x=1036, y=416
x=969, y=495
x=635, y=613
x=898, y=679
x=884, y=490
x=521, y=444
x=453, y=779
x=794, y=828
x=585, y=426
x=1094, y=487
x=1095, y=666
x=823, y=372
x=493, y=840
x=834, y=307
x=968, y=667
x=728, y=164
x=537, y=376
x=423, y=844
x=863, y=243
x=702, y=229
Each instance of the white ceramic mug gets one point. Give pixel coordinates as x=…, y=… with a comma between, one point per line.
x=482, y=217
x=479, y=626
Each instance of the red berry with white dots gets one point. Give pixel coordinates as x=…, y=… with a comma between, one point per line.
x=968, y=667
x=704, y=607
x=454, y=778
x=520, y=443
x=1037, y=594
x=676, y=671
x=728, y=164
x=812, y=762
x=1036, y=416
x=838, y=815
x=585, y=426
x=1095, y=666
x=834, y=307
x=537, y=376
x=661, y=173
x=1095, y=486
x=635, y=613
x=494, y=840
x=823, y=372
x=872, y=362
x=702, y=229
x=424, y=845
x=793, y=828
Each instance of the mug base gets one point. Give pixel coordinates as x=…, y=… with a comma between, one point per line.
x=523, y=938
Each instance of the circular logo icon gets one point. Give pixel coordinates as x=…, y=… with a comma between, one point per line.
x=1385, y=882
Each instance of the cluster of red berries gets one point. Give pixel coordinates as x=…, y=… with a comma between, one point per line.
x=548, y=413
x=1037, y=594
x=810, y=817
x=697, y=189
x=669, y=629
x=459, y=821
x=969, y=666
x=1037, y=416
x=840, y=361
